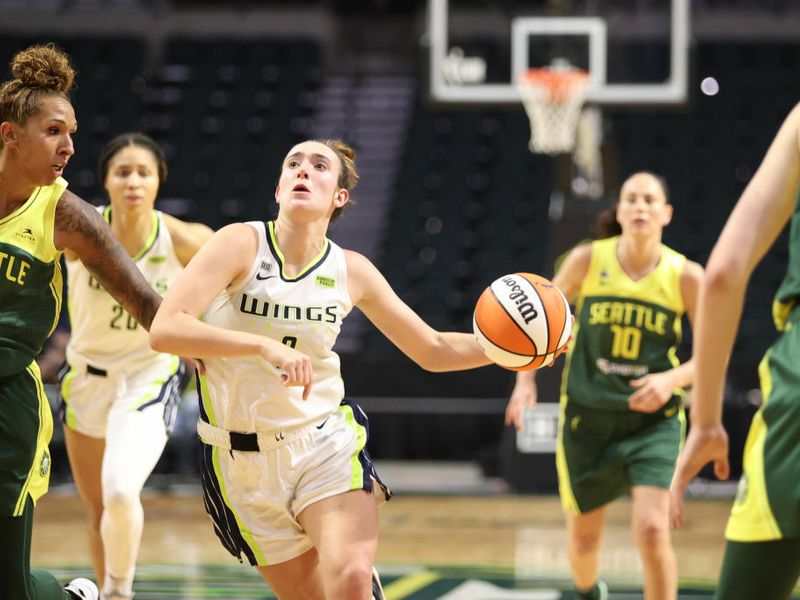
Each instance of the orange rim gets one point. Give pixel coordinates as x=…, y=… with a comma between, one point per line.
x=560, y=84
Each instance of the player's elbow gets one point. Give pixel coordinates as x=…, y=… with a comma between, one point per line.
x=430, y=358
x=159, y=338
x=723, y=277
x=426, y=362
x=432, y=367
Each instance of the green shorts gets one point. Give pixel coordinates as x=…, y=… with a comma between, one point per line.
x=602, y=454
x=767, y=505
x=26, y=426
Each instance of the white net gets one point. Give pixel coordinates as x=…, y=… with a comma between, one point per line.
x=553, y=99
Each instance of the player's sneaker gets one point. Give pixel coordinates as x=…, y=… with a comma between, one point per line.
x=598, y=592
x=377, y=588
x=82, y=589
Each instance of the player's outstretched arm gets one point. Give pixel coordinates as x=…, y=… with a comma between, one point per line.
x=758, y=218
x=81, y=230
x=762, y=211
x=430, y=349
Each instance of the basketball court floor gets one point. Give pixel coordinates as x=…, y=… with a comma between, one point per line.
x=446, y=534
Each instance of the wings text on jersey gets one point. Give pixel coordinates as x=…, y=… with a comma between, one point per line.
x=287, y=312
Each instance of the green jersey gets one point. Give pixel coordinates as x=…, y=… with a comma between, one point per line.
x=789, y=291
x=30, y=278
x=625, y=329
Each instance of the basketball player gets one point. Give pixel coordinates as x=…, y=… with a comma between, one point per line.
x=763, y=532
x=38, y=220
x=119, y=398
x=621, y=417
x=287, y=478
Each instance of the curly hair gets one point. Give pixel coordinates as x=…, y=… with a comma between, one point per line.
x=38, y=72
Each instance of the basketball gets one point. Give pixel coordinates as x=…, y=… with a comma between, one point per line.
x=521, y=320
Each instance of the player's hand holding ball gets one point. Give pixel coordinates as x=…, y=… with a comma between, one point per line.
x=522, y=322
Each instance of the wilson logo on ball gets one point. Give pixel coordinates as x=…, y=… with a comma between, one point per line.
x=520, y=298
x=522, y=321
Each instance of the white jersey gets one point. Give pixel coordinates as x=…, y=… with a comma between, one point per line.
x=103, y=334
x=244, y=393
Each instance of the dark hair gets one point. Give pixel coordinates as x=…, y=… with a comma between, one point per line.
x=606, y=224
x=661, y=181
x=348, y=175
x=38, y=73
x=124, y=140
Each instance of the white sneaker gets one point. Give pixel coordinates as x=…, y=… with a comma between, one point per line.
x=377, y=588
x=83, y=589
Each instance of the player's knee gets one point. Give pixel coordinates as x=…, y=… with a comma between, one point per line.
x=356, y=580
x=120, y=501
x=651, y=532
x=352, y=578
x=585, y=543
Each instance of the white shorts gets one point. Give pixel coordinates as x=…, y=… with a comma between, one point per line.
x=254, y=495
x=88, y=394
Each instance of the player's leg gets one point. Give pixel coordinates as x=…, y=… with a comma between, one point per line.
x=591, y=474
x=344, y=530
x=298, y=578
x=584, y=535
x=759, y=570
x=651, y=452
x=25, y=428
x=18, y=581
x=767, y=504
x=21, y=582
x=650, y=526
x=85, y=400
x=135, y=440
x=336, y=503
x=313, y=485
x=85, y=456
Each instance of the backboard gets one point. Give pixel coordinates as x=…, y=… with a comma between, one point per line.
x=477, y=50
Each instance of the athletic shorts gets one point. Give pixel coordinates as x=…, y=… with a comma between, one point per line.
x=602, y=454
x=767, y=505
x=254, y=494
x=26, y=426
x=88, y=394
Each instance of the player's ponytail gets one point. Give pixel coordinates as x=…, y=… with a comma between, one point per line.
x=348, y=175
x=606, y=225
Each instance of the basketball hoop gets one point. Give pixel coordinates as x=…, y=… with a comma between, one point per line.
x=553, y=98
